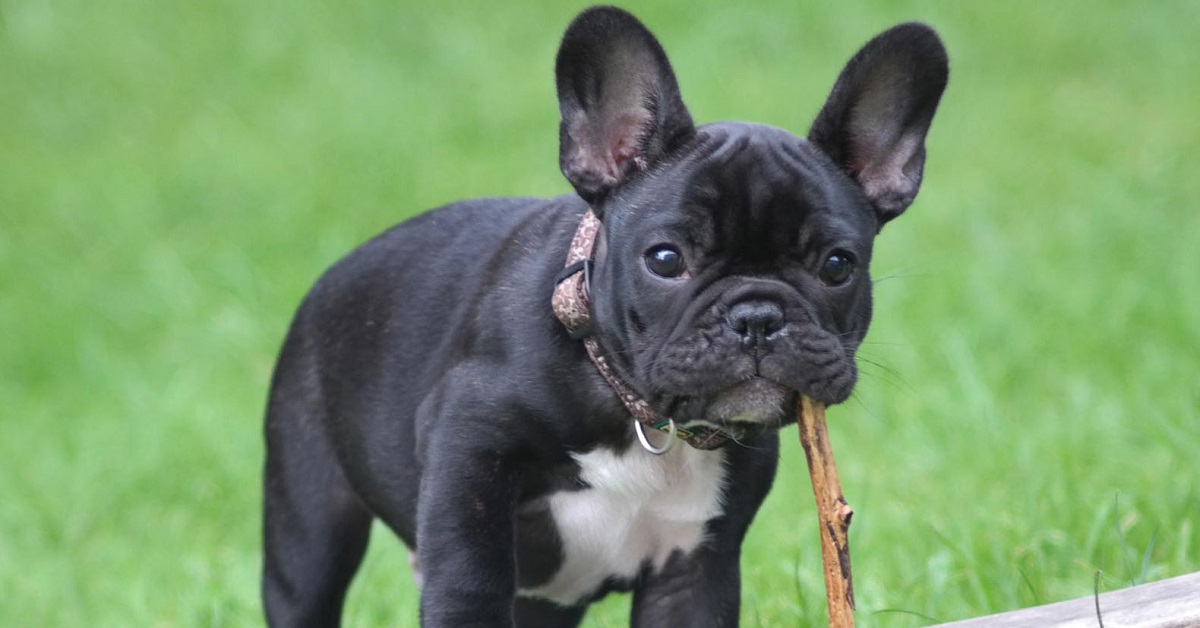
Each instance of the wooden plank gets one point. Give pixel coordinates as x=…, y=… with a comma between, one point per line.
x=1171, y=603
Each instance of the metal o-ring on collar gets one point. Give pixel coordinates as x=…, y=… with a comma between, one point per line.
x=658, y=451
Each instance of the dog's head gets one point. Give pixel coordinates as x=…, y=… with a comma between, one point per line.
x=732, y=270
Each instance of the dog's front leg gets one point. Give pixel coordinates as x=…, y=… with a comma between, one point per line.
x=703, y=588
x=465, y=539
x=699, y=590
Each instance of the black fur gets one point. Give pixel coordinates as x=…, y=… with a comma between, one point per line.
x=426, y=382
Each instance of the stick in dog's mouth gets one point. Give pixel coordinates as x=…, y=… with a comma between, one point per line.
x=832, y=511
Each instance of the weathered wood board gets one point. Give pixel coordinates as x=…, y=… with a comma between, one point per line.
x=1171, y=603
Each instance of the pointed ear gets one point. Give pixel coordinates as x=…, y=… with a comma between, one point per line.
x=620, y=104
x=875, y=121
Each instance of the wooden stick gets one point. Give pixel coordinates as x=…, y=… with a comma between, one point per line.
x=832, y=510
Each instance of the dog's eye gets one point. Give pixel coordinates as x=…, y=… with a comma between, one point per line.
x=837, y=269
x=665, y=261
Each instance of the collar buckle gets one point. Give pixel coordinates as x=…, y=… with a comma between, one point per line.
x=572, y=298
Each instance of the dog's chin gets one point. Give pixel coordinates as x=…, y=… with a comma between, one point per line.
x=754, y=403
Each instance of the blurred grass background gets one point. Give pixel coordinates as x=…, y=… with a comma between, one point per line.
x=173, y=176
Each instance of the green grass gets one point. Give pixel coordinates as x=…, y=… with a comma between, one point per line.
x=173, y=176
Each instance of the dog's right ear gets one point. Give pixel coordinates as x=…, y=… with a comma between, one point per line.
x=620, y=104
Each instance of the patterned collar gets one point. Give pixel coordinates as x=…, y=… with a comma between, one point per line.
x=571, y=305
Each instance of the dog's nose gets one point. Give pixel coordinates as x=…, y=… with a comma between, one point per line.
x=755, y=320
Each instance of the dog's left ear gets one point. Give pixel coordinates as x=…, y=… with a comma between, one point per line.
x=874, y=123
x=620, y=104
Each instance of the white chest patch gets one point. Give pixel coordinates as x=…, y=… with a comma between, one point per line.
x=639, y=507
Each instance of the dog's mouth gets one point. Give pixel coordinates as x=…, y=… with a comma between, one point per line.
x=749, y=406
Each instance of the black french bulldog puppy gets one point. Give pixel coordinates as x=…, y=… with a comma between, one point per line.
x=702, y=279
